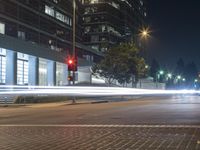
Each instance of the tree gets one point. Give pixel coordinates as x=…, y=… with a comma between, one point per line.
x=154, y=69
x=121, y=63
x=180, y=67
x=191, y=73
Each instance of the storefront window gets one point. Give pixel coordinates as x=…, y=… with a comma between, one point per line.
x=2, y=66
x=42, y=72
x=22, y=69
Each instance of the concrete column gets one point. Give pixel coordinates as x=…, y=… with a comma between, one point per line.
x=51, y=73
x=33, y=73
x=11, y=67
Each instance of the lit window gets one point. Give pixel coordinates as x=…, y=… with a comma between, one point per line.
x=22, y=69
x=94, y=1
x=60, y=17
x=49, y=10
x=55, y=1
x=95, y=47
x=59, y=73
x=2, y=66
x=42, y=72
x=2, y=28
x=21, y=35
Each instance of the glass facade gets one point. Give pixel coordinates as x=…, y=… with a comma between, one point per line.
x=60, y=71
x=2, y=66
x=22, y=69
x=43, y=72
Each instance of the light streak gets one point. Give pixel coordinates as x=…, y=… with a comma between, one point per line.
x=85, y=91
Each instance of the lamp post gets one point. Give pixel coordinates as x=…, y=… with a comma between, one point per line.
x=160, y=73
x=168, y=82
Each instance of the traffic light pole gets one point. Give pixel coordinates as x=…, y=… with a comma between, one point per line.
x=74, y=37
x=74, y=45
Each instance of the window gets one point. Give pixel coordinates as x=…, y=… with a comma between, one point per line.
x=95, y=47
x=87, y=19
x=94, y=38
x=63, y=18
x=22, y=69
x=21, y=35
x=55, y=1
x=2, y=28
x=42, y=72
x=60, y=17
x=87, y=29
x=49, y=11
x=2, y=66
x=59, y=73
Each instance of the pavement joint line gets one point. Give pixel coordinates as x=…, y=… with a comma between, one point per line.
x=100, y=126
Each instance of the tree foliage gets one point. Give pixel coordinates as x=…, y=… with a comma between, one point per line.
x=191, y=72
x=180, y=67
x=155, y=67
x=121, y=63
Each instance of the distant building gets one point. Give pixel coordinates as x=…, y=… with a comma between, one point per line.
x=109, y=22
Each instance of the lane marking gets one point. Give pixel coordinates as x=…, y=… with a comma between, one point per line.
x=100, y=126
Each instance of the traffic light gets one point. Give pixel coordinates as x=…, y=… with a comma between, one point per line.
x=72, y=64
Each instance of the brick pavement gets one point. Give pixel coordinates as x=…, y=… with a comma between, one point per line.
x=99, y=137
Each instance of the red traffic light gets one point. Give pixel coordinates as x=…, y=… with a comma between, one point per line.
x=70, y=61
x=72, y=64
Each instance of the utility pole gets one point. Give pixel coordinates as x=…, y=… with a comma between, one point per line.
x=74, y=38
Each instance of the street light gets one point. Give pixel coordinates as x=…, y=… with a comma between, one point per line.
x=146, y=67
x=179, y=77
x=158, y=74
x=169, y=75
x=161, y=72
x=144, y=33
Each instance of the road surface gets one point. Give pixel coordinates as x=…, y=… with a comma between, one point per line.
x=162, y=122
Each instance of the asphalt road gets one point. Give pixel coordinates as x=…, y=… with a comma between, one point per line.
x=164, y=122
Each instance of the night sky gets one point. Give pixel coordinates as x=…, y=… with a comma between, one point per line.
x=175, y=26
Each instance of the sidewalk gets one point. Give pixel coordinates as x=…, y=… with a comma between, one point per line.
x=94, y=100
x=41, y=105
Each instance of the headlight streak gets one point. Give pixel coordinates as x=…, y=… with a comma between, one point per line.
x=85, y=91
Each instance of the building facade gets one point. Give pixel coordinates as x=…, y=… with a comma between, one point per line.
x=36, y=39
x=36, y=36
x=109, y=22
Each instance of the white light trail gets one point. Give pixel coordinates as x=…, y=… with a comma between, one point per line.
x=86, y=91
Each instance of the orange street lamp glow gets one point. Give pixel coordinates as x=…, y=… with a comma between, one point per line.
x=144, y=33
